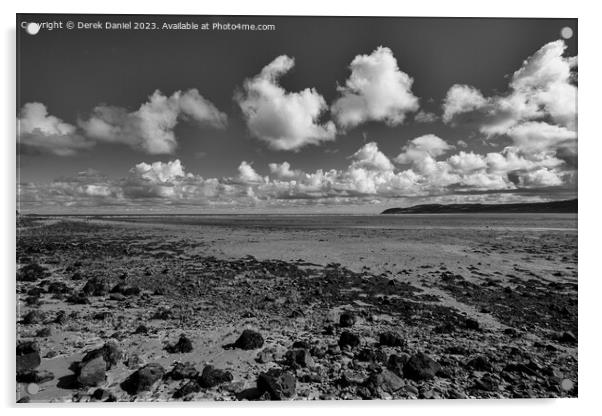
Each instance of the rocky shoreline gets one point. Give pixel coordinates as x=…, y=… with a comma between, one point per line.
x=110, y=313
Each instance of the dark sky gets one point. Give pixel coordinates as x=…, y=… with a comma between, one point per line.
x=73, y=71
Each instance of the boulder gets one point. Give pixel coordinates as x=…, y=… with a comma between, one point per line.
x=143, y=379
x=299, y=357
x=190, y=387
x=391, y=339
x=110, y=353
x=420, y=367
x=28, y=356
x=182, y=371
x=348, y=339
x=211, y=377
x=277, y=384
x=92, y=372
x=347, y=319
x=183, y=345
x=34, y=376
x=249, y=340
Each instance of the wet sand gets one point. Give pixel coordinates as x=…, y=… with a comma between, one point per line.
x=490, y=299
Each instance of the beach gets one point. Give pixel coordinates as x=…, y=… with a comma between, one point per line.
x=345, y=306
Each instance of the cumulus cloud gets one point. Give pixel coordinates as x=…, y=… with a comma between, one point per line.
x=39, y=131
x=425, y=117
x=421, y=148
x=151, y=127
x=376, y=90
x=542, y=89
x=284, y=120
x=370, y=158
x=247, y=175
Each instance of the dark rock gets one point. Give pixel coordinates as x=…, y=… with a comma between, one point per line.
x=103, y=395
x=28, y=356
x=92, y=372
x=480, y=363
x=249, y=340
x=391, y=339
x=420, y=367
x=397, y=362
x=347, y=319
x=299, y=357
x=183, y=345
x=301, y=344
x=58, y=288
x=182, y=371
x=211, y=377
x=162, y=314
x=371, y=355
x=117, y=296
x=143, y=379
x=110, y=353
x=567, y=337
x=34, y=376
x=33, y=317
x=142, y=329
x=486, y=383
x=101, y=316
x=278, y=384
x=385, y=380
x=472, y=324
x=95, y=287
x=24, y=399
x=32, y=272
x=61, y=318
x=44, y=332
x=78, y=299
x=190, y=387
x=349, y=339
x=131, y=291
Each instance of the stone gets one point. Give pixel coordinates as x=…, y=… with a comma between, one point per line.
x=35, y=376
x=95, y=287
x=385, y=380
x=28, y=356
x=32, y=272
x=33, y=317
x=44, y=332
x=212, y=377
x=188, y=388
x=278, y=384
x=299, y=357
x=182, y=371
x=249, y=340
x=103, y=395
x=347, y=319
x=566, y=385
x=348, y=339
x=486, y=383
x=567, y=337
x=371, y=355
x=92, y=372
x=472, y=324
x=396, y=362
x=480, y=363
x=183, y=345
x=143, y=379
x=420, y=367
x=391, y=339
x=110, y=352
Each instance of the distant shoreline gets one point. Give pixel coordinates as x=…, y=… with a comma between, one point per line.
x=554, y=207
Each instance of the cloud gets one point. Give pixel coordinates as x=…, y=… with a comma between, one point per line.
x=421, y=148
x=461, y=99
x=370, y=158
x=425, y=117
x=284, y=120
x=159, y=172
x=38, y=131
x=542, y=89
x=247, y=175
x=151, y=127
x=282, y=170
x=376, y=90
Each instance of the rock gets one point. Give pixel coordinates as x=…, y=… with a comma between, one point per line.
x=211, y=377
x=28, y=355
x=278, y=384
x=183, y=345
x=32, y=272
x=142, y=329
x=143, y=379
x=486, y=383
x=349, y=339
x=181, y=371
x=347, y=320
x=34, y=376
x=103, y=395
x=396, y=363
x=101, y=316
x=61, y=318
x=567, y=337
x=371, y=355
x=301, y=344
x=385, y=380
x=265, y=356
x=78, y=299
x=131, y=291
x=480, y=363
x=92, y=372
x=133, y=361
x=472, y=324
x=24, y=399
x=44, y=332
x=110, y=353
x=567, y=385
x=455, y=394
x=420, y=367
x=57, y=288
x=249, y=340
x=117, y=296
x=95, y=287
x=33, y=317
x=190, y=387
x=391, y=339
x=299, y=357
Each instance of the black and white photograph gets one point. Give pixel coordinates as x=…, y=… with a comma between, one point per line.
x=295, y=208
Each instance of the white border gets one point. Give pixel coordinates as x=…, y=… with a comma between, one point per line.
x=590, y=347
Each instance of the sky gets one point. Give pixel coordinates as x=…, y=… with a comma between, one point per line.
x=320, y=114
